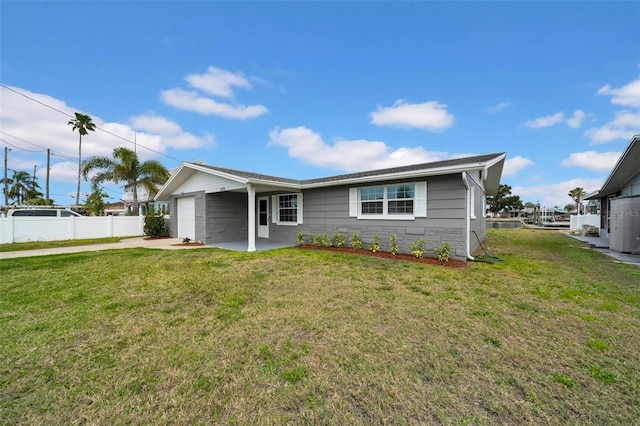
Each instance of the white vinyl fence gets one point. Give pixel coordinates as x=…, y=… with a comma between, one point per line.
x=29, y=228
x=577, y=221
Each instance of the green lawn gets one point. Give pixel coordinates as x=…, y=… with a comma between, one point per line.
x=205, y=336
x=33, y=245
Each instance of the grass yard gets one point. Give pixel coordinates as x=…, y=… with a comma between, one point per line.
x=32, y=245
x=205, y=336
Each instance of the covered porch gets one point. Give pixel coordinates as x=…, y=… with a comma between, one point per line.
x=243, y=245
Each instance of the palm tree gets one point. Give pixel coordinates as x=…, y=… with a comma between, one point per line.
x=577, y=195
x=125, y=167
x=23, y=187
x=84, y=124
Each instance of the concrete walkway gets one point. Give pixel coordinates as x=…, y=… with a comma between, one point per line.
x=602, y=245
x=159, y=243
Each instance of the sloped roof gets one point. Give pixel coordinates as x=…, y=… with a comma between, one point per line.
x=492, y=163
x=626, y=168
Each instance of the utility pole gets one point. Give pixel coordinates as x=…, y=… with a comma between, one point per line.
x=6, y=191
x=46, y=199
x=34, y=177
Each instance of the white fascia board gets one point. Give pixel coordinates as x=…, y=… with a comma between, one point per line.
x=218, y=173
x=275, y=184
x=412, y=174
x=606, y=189
x=168, y=184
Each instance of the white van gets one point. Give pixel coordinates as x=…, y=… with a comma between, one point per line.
x=41, y=213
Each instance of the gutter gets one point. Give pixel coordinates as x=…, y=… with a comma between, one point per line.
x=467, y=197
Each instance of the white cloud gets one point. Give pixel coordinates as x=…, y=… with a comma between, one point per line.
x=347, y=155
x=154, y=124
x=623, y=126
x=192, y=101
x=512, y=166
x=218, y=82
x=546, y=121
x=432, y=116
x=628, y=95
x=592, y=160
x=576, y=120
x=555, y=194
x=499, y=107
x=31, y=126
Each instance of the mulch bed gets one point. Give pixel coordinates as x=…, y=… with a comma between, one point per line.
x=454, y=263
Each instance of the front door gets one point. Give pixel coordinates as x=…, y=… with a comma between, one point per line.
x=263, y=217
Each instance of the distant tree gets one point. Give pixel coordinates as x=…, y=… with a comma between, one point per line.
x=569, y=208
x=23, y=187
x=529, y=205
x=504, y=200
x=39, y=201
x=95, y=201
x=125, y=167
x=577, y=195
x=84, y=124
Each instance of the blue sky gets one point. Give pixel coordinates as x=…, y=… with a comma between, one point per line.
x=313, y=89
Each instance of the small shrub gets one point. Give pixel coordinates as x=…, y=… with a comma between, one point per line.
x=325, y=241
x=339, y=240
x=356, y=242
x=443, y=253
x=375, y=245
x=417, y=248
x=186, y=240
x=154, y=224
x=393, y=245
x=312, y=239
x=300, y=236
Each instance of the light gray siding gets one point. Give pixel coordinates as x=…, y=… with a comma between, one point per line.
x=326, y=211
x=226, y=217
x=632, y=187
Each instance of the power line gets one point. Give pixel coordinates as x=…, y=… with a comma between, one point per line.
x=44, y=149
x=99, y=128
x=21, y=149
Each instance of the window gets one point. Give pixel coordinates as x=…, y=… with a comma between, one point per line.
x=398, y=201
x=287, y=209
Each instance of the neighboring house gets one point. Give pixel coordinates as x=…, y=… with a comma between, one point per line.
x=114, y=209
x=442, y=201
x=620, y=202
x=146, y=201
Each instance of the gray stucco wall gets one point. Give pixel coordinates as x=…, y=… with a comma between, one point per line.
x=326, y=211
x=226, y=217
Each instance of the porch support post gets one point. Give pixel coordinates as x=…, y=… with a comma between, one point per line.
x=251, y=218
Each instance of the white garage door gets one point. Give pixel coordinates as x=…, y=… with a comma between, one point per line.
x=187, y=218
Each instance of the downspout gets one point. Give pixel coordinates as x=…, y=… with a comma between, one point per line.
x=467, y=215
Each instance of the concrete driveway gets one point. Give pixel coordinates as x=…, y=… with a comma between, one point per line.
x=159, y=243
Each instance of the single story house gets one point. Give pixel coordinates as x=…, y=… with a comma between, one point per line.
x=620, y=202
x=441, y=201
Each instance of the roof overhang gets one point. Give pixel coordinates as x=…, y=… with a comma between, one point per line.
x=626, y=168
x=490, y=172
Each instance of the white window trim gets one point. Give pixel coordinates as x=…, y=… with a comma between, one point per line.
x=275, y=209
x=419, y=203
